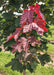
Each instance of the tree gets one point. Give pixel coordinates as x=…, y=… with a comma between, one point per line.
x=24, y=58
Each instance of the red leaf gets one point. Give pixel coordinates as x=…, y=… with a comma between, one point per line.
x=37, y=11
x=42, y=16
x=41, y=23
x=32, y=8
x=43, y=27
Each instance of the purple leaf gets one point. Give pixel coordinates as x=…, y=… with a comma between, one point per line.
x=33, y=26
x=32, y=40
x=27, y=16
x=22, y=44
x=30, y=16
x=24, y=17
x=25, y=44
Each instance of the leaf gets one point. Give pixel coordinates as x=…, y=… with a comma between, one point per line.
x=27, y=28
x=21, y=45
x=44, y=58
x=37, y=28
x=27, y=15
x=16, y=47
x=15, y=65
x=24, y=17
x=42, y=16
x=25, y=44
x=30, y=16
x=32, y=40
x=33, y=26
x=41, y=23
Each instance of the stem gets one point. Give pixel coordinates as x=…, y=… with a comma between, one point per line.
x=24, y=72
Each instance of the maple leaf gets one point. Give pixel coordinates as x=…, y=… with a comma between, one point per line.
x=21, y=45
x=16, y=47
x=35, y=8
x=41, y=23
x=33, y=26
x=27, y=28
x=25, y=44
x=27, y=15
x=24, y=16
x=37, y=11
x=30, y=16
x=38, y=29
